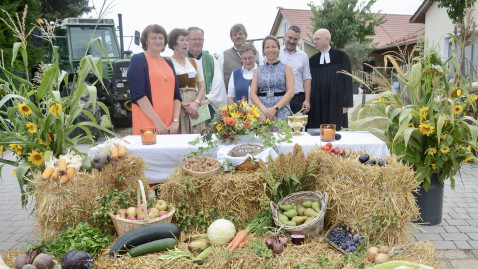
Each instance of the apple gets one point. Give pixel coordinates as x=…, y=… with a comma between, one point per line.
x=140, y=217
x=131, y=217
x=139, y=210
x=161, y=205
x=118, y=215
x=131, y=211
x=153, y=209
x=152, y=215
x=122, y=211
x=162, y=213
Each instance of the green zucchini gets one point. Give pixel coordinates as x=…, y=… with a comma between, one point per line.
x=143, y=235
x=153, y=246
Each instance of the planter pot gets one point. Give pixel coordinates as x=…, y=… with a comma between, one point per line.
x=431, y=202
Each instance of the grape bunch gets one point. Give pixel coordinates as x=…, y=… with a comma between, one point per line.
x=347, y=241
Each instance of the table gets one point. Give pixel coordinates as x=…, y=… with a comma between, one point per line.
x=170, y=150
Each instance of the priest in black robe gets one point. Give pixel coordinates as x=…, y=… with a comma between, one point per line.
x=331, y=92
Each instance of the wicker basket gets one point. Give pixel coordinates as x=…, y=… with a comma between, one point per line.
x=247, y=166
x=123, y=226
x=341, y=224
x=315, y=226
x=203, y=174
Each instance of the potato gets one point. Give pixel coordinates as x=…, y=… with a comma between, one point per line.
x=20, y=261
x=43, y=261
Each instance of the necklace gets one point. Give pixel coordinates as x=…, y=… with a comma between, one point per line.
x=181, y=62
x=160, y=68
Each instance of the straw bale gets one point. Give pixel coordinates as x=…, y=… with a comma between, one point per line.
x=59, y=206
x=314, y=253
x=234, y=194
x=376, y=200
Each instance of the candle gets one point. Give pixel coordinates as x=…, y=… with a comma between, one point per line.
x=328, y=134
x=148, y=136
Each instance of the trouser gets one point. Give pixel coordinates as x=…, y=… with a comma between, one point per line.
x=296, y=102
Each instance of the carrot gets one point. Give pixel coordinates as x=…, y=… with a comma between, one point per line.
x=247, y=240
x=240, y=237
x=62, y=165
x=235, y=239
x=47, y=173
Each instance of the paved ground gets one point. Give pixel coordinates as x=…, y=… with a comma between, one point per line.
x=456, y=237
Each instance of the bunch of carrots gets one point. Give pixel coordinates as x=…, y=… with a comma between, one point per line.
x=242, y=238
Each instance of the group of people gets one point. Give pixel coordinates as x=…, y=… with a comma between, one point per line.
x=167, y=92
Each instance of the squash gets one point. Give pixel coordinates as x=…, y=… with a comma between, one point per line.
x=142, y=235
x=153, y=246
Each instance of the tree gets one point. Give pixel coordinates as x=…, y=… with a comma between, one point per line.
x=455, y=8
x=60, y=9
x=346, y=20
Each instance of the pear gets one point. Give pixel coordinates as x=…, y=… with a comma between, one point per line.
x=307, y=204
x=299, y=219
x=311, y=213
x=290, y=213
x=316, y=206
x=309, y=219
x=286, y=207
x=283, y=218
x=300, y=210
x=290, y=223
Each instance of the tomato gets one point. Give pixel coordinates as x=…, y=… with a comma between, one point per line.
x=328, y=145
x=324, y=148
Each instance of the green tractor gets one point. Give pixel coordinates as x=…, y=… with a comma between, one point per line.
x=72, y=36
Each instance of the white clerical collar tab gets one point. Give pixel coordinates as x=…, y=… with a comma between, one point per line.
x=325, y=57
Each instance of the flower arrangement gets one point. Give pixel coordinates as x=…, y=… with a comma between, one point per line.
x=427, y=126
x=37, y=122
x=240, y=119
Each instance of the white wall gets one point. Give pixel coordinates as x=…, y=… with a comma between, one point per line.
x=437, y=25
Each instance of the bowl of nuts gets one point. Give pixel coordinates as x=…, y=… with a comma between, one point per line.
x=202, y=166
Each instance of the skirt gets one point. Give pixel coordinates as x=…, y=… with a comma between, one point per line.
x=185, y=122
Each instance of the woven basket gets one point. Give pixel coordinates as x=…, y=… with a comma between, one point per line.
x=247, y=166
x=341, y=224
x=203, y=174
x=312, y=228
x=123, y=226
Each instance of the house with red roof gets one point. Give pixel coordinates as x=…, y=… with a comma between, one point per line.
x=396, y=31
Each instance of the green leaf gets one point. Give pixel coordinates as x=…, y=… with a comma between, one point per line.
x=404, y=119
x=16, y=47
x=49, y=77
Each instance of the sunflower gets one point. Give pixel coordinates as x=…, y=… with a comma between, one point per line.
x=16, y=148
x=467, y=159
x=473, y=98
x=1, y=149
x=426, y=129
x=432, y=151
x=42, y=142
x=458, y=109
x=383, y=99
x=24, y=109
x=55, y=109
x=219, y=127
x=445, y=149
x=35, y=157
x=32, y=127
x=468, y=148
x=410, y=125
x=457, y=93
x=423, y=113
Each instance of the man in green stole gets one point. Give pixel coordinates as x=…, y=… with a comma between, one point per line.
x=215, y=88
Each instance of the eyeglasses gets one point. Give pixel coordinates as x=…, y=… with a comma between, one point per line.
x=197, y=39
x=250, y=58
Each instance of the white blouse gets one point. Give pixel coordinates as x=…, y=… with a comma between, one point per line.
x=189, y=69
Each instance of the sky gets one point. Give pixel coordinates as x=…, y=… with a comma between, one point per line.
x=216, y=17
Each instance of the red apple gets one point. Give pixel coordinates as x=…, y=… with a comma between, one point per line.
x=139, y=210
x=131, y=217
x=162, y=213
x=140, y=217
x=131, y=211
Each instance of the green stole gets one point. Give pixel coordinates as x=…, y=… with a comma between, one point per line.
x=208, y=71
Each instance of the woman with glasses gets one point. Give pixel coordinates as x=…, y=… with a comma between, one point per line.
x=272, y=86
x=241, y=78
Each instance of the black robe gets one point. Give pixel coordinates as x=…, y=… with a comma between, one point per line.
x=330, y=91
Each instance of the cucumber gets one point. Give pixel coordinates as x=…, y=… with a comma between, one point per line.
x=153, y=246
x=87, y=164
x=143, y=235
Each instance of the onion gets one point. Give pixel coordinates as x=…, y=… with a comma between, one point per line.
x=384, y=249
x=381, y=258
x=270, y=242
x=372, y=253
x=278, y=248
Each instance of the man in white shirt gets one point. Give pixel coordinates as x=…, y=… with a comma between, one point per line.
x=289, y=54
x=215, y=87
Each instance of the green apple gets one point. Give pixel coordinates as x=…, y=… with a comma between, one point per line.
x=161, y=205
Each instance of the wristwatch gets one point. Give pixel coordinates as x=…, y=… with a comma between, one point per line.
x=175, y=120
x=197, y=101
x=277, y=109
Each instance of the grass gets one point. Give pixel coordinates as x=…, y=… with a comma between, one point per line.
x=367, y=112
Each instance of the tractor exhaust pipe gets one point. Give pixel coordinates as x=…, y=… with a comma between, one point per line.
x=120, y=25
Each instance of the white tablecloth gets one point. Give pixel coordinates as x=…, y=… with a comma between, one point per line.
x=169, y=151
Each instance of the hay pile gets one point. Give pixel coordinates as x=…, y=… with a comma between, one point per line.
x=233, y=194
x=376, y=200
x=58, y=207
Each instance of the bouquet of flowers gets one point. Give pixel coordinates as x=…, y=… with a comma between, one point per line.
x=241, y=119
x=427, y=124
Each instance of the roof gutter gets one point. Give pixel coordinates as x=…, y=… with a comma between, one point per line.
x=397, y=45
x=414, y=17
